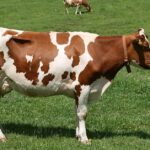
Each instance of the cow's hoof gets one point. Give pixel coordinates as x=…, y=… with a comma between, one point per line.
x=87, y=142
x=3, y=139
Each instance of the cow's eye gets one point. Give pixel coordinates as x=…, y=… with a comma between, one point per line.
x=142, y=37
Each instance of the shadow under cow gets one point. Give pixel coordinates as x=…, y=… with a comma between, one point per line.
x=45, y=132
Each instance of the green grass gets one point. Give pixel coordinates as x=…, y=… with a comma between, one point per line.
x=120, y=120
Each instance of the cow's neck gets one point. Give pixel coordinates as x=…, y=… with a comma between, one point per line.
x=132, y=54
x=114, y=54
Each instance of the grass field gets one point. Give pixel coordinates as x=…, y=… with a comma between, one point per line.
x=119, y=121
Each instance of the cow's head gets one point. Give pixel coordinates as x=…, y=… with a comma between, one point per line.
x=139, y=52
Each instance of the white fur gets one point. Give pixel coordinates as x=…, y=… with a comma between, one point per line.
x=2, y=136
x=89, y=92
x=29, y=58
x=143, y=33
x=70, y=2
x=81, y=114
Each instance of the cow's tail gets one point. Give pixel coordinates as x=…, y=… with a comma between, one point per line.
x=87, y=6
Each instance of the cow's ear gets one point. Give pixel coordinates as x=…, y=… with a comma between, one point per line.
x=20, y=40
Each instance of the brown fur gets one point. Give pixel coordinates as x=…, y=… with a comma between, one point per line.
x=47, y=79
x=75, y=49
x=65, y=74
x=33, y=44
x=62, y=38
x=108, y=57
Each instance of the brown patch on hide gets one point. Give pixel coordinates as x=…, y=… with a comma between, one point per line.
x=65, y=74
x=107, y=54
x=75, y=49
x=77, y=93
x=73, y=76
x=62, y=38
x=47, y=79
x=35, y=44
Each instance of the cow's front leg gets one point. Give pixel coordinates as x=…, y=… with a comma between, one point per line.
x=2, y=136
x=78, y=10
x=66, y=10
x=81, y=104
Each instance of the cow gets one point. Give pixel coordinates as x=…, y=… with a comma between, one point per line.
x=77, y=4
x=80, y=65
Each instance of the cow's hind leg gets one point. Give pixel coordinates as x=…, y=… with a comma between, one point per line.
x=66, y=7
x=2, y=136
x=87, y=6
x=81, y=104
x=66, y=10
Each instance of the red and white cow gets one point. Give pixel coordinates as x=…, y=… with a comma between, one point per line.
x=77, y=4
x=80, y=65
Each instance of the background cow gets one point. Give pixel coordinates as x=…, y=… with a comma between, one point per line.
x=77, y=4
x=77, y=64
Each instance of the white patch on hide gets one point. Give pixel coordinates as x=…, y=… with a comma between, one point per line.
x=29, y=58
x=41, y=74
x=141, y=32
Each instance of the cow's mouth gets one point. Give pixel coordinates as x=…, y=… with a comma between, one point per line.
x=147, y=63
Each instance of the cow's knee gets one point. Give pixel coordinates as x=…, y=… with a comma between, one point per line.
x=82, y=112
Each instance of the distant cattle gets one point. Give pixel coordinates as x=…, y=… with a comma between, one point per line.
x=77, y=4
x=77, y=64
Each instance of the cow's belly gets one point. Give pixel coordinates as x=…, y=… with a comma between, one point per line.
x=98, y=88
x=56, y=88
